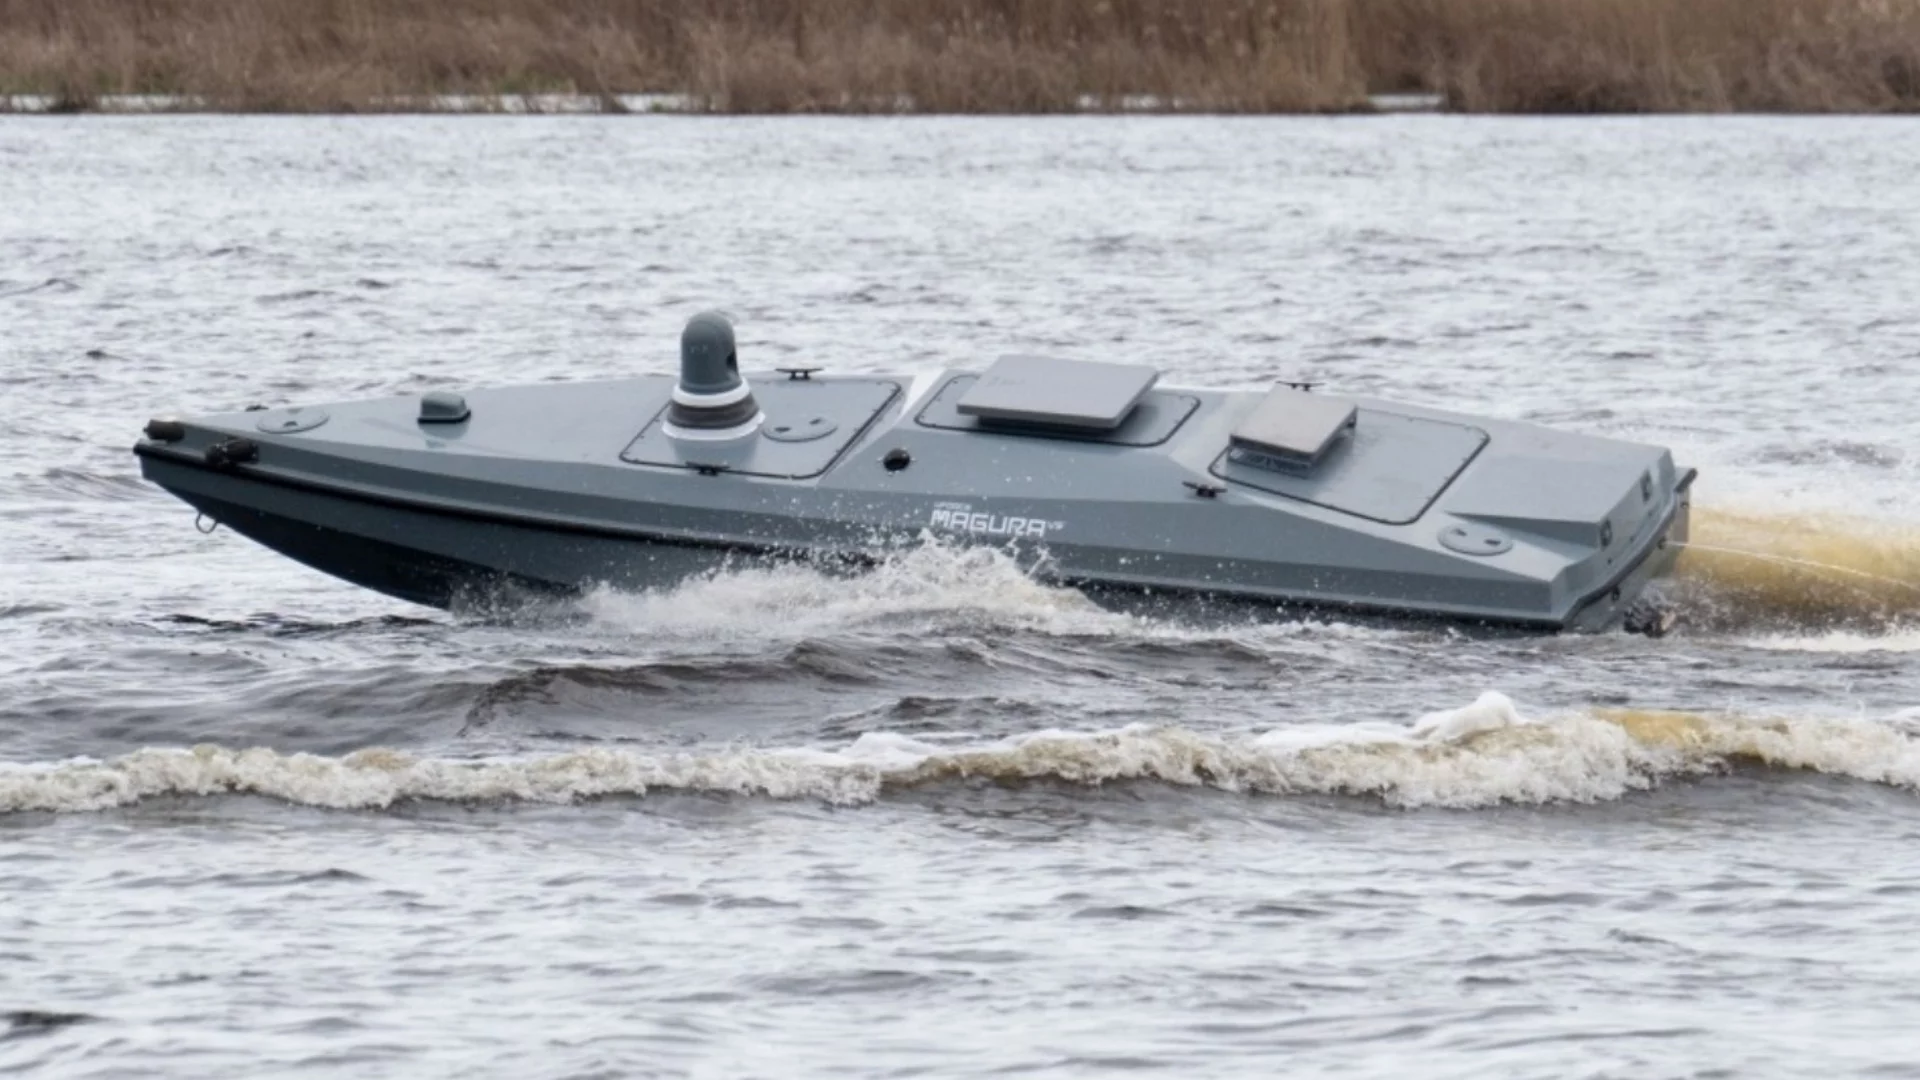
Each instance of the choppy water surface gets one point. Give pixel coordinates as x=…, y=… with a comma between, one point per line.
x=943, y=821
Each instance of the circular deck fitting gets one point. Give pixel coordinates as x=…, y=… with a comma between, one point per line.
x=292, y=421
x=1470, y=539
x=814, y=427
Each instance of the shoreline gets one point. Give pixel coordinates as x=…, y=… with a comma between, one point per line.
x=688, y=105
x=650, y=104
x=964, y=57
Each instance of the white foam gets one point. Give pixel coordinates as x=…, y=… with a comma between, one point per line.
x=1485, y=754
x=1490, y=712
x=1840, y=641
x=935, y=580
x=932, y=578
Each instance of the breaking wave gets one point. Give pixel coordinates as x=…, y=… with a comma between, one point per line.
x=1482, y=755
x=1799, y=570
x=951, y=584
x=933, y=578
x=1903, y=638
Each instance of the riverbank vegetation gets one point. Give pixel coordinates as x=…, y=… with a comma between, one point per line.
x=974, y=55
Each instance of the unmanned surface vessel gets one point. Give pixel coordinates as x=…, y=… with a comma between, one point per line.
x=1091, y=474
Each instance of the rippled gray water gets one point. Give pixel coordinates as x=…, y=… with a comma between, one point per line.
x=942, y=821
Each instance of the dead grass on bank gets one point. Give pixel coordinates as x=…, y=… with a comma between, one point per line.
x=883, y=68
x=1647, y=55
x=979, y=55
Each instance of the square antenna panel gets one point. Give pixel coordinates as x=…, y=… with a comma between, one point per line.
x=1038, y=390
x=1292, y=428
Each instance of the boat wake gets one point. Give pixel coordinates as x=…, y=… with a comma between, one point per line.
x=936, y=583
x=933, y=578
x=1784, y=572
x=1795, y=577
x=1485, y=754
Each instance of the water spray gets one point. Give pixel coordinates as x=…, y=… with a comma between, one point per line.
x=1788, y=560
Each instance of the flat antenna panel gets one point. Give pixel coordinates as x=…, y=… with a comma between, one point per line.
x=1038, y=390
x=1291, y=428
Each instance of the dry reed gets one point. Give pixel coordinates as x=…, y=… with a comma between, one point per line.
x=978, y=55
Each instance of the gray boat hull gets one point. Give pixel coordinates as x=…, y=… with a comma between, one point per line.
x=560, y=487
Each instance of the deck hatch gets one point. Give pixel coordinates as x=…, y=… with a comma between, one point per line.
x=1390, y=470
x=1291, y=429
x=1042, y=391
x=809, y=424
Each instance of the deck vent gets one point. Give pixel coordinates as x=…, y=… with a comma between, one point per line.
x=1291, y=430
x=436, y=407
x=1036, y=391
